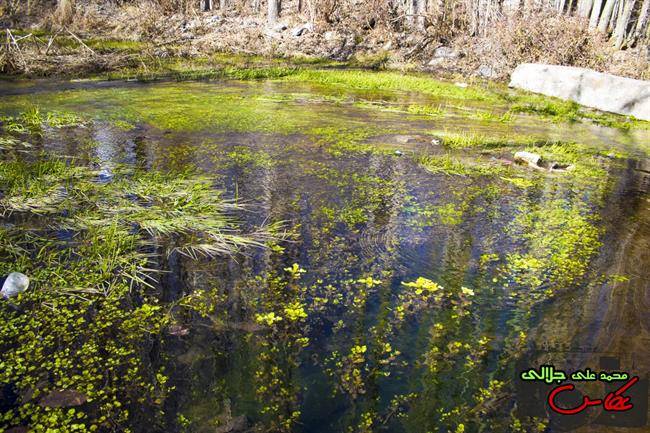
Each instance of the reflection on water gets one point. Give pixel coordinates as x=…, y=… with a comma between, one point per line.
x=321, y=333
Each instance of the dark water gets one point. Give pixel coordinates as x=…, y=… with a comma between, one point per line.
x=352, y=214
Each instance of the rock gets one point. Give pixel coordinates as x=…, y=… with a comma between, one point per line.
x=532, y=159
x=399, y=153
x=301, y=30
x=14, y=284
x=586, y=87
x=405, y=139
x=463, y=85
x=436, y=141
x=446, y=53
x=486, y=71
x=437, y=61
x=387, y=46
x=63, y=398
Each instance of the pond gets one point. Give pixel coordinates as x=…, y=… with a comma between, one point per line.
x=382, y=265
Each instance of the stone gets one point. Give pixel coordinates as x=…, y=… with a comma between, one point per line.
x=593, y=89
x=486, y=71
x=461, y=85
x=14, y=284
x=437, y=61
x=399, y=153
x=446, y=52
x=405, y=139
x=530, y=158
x=436, y=142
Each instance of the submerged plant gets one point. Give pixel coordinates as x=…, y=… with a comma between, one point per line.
x=77, y=346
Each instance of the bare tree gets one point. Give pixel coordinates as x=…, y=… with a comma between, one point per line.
x=603, y=23
x=623, y=23
x=274, y=7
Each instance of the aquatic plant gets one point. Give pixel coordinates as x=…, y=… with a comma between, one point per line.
x=91, y=248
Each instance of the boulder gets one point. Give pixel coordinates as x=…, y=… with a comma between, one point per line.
x=593, y=89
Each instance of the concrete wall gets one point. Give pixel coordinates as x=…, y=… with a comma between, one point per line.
x=605, y=92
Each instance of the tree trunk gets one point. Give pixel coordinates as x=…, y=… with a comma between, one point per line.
x=623, y=23
x=411, y=8
x=642, y=21
x=421, y=11
x=64, y=10
x=273, y=11
x=223, y=5
x=603, y=24
x=584, y=7
x=595, y=14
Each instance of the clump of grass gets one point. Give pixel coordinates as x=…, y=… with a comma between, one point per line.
x=426, y=110
x=447, y=164
x=32, y=121
x=181, y=206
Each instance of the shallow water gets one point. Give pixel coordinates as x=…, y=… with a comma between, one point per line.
x=323, y=162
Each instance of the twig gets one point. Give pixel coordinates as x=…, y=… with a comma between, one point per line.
x=49, y=43
x=81, y=42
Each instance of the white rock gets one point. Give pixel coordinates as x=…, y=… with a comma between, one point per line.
x=14, y=284
x=532, y=159
x=463, y=85
x=446, y=52
x=486, y=71
x=586, y=87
